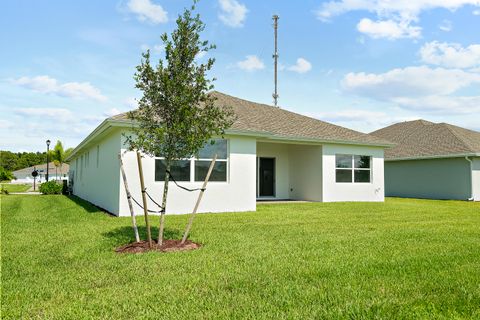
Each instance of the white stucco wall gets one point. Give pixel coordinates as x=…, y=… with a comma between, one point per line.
x=237, y=194
x=333, y=191
x=476, y=178
x=280, y=152
x=99, y=184
x=305, y=174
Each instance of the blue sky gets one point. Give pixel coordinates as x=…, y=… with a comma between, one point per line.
x=363, y=64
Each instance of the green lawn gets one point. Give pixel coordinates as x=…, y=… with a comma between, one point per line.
x=401, y=259
x=12, y=187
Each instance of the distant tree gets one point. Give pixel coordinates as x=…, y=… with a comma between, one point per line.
x=57, y=164
x=5, y=175
x=58, y=155
x=8, y=160
x=68, y=152
x=14, y=161
x=177, y=116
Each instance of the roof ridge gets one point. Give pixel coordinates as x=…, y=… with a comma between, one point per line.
x=461, y=139
x=279, y=108
x=409, y=133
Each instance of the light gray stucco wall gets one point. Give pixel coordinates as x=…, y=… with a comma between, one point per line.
x=96, y=172
x=447, y=178
x=305, y=172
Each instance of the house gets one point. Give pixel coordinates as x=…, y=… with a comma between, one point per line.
x=432, y=160
x=25, y=175
x=268, y=153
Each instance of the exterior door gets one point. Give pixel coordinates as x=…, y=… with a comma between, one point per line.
x=266, y=177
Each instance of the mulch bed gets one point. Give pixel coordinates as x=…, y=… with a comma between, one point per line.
x=167, y=246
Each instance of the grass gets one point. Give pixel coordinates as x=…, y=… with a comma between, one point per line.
x=13, y=187
x=400, y=259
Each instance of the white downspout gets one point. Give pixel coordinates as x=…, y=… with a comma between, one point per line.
x=471, y=178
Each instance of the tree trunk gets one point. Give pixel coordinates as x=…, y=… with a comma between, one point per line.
x=144, y=198
x=132, y=213
x=164, y=202
x=190, y=221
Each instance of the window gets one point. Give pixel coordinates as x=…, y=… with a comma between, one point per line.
x=219, y=172
x=352, y=168
x=182, y=169
x=205, y=157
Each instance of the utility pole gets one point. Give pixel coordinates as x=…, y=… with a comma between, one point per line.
x=275, y=59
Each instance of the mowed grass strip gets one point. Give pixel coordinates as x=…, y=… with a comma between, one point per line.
x=13, y=187
x=403, y=258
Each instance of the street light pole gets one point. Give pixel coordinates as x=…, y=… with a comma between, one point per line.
x=48, y=159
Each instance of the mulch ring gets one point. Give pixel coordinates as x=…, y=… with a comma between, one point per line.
x=167, y=246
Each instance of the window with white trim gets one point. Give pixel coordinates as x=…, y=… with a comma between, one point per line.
x=195, y=169
x=353, y=168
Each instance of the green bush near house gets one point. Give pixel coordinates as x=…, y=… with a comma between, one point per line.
x=51, y=187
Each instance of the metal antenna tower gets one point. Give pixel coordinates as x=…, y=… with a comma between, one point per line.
x=275, y=59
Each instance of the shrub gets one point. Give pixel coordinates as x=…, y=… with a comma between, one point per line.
x=3, y=190
x=50, y=187
x=5, y=175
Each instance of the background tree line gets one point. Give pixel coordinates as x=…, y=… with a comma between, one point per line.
x=11, y=161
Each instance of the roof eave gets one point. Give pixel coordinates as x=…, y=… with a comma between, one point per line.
x=455, y=155
x=102, y=127
x=270, y=136
x=107, y=123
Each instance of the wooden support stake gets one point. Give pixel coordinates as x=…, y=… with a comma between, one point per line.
x=144, y=198
x=134, y=221
x=200, y=195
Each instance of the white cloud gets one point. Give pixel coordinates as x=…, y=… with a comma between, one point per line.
x=389, y=29
x=444, y=104
x=302, y=66
x=476, y=12
x=418, y=88
x=145, y=10
x=450, y=54
x=446, y=26
x=364, y=120
x=158, y=49
x=410, y=81
x=5, y=124
x=403, y=12
x=46, y=84
x=58, y=114
x=131, y=103
x=112, y=112
x=407, y=9
x=232, y=13
x=251, y=63
x=200, y=55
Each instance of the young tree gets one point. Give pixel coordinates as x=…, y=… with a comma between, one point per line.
x=176, y=115
x=56, y=163
x=58, y=156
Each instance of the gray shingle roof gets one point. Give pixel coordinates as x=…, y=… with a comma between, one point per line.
x=276, y=122
x=43, y=166
x=423, y=139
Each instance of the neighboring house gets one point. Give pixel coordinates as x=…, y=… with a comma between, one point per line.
x=268, y=153
x=432, y=160
x=25, y=175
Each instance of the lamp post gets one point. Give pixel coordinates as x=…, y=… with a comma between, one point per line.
x=48, y=159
